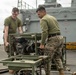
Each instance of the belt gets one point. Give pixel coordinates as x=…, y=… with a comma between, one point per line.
x=52, y=35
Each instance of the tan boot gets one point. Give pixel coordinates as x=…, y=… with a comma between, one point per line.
x=11, y=71
x=74, y=73
x=61, y=72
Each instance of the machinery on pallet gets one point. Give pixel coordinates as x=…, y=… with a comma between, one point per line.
x=29, y=58
x=28, y=43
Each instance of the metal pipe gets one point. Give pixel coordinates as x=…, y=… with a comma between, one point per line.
x=36, y=3
x=50, y=1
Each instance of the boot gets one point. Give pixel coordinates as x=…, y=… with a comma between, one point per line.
x=61, y=72
x=11, y=71
x=74, y=73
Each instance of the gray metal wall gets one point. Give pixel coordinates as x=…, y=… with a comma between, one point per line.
x=65, y=16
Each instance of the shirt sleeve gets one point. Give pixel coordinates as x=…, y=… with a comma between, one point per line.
x=6, y=22
x=44, y=28
x=19, y=23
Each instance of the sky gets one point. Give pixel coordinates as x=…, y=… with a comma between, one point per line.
x=7, y=5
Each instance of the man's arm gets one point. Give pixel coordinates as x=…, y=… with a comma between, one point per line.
x=20, y=29
x=44, y=34
x=6, y=35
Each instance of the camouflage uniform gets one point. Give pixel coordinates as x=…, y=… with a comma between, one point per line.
x=10, y=49
x=13, y=25
x=50, y=26
x=53, y=50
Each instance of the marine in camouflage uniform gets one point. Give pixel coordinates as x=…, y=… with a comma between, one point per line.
x=51, y=36
x=11, y=24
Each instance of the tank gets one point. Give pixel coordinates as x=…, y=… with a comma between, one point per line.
x=66, y=17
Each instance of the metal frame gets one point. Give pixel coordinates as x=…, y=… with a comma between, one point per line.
x=25, y=62
x=36, y=37
x=29, y=36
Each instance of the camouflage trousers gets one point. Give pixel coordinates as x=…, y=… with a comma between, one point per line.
x=53, y=49
x=11, y=48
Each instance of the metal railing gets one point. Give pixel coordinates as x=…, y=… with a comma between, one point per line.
x=23, y=5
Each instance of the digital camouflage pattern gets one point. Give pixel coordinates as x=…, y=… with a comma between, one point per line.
x=53, y=49
x=11, y=48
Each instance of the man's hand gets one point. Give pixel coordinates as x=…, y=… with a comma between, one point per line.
x=42, y=46
x=6, y=44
